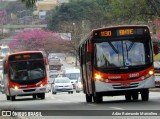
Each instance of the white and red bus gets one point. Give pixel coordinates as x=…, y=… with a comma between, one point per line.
x=25, y=73
x=117, y=61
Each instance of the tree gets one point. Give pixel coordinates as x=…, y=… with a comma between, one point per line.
x=16, y=6
x=37, y=39
x=76, y=12
x=29, y=3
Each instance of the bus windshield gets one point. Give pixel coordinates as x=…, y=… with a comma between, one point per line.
x=122, y=53
x=73, y=76
x=27, y=72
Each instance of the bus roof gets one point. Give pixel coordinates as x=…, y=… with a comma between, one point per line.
x=111, y=27
x=120, y=26
x=25, y=52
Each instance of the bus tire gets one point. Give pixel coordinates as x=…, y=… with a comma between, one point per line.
x=145, y=95
x=34, y=96
x=135, y=95
x=98, y=98
x=53, y=92
x=8, y=97
x=42, y=95
x=88, y=98
x=13, y=98
x=128, y=97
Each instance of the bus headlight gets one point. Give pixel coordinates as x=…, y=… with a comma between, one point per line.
x=98, y=76
x=41, y=85
x=16, y=87
x=151, y=72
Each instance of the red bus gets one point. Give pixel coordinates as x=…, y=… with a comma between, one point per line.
x=117, y=61
x=25, y=73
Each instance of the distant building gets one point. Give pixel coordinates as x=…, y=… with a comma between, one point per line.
x=46, y=5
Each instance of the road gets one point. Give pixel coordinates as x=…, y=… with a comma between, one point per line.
x=76, y=101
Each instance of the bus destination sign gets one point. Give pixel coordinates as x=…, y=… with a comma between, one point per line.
x=122, y=32
x=25, y=56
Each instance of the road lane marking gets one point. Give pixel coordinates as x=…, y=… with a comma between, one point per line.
x=60, y=100
x=117, y=108
x=91, y=104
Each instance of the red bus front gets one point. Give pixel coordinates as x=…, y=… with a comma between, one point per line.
x=25, y=75
x=119, y=62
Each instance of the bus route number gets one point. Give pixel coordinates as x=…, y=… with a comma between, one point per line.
x=106, y=33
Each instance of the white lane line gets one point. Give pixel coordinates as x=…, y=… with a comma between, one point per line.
x=53, y=98
x=60, y=100
x=117, y=108
x=91, y=104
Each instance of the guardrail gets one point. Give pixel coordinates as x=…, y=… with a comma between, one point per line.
x=23, y=26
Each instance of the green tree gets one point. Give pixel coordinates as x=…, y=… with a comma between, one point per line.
x=29, y=3
x=15, y=6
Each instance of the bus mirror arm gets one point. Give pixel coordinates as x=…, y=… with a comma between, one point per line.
x=6, y=65
x=46, y=61
x=156, y=49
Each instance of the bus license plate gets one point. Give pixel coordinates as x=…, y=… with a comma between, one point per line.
x=125, y=84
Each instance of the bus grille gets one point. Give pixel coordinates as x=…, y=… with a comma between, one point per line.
x=134, y=78
x=29, y=90
x=119, y=86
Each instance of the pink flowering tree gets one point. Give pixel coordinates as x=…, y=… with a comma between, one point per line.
x=37, y=39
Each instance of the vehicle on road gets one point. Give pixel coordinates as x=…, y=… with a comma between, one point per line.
x=157, y=66
x=62, y=84
x=55, y=64
x=78, y=85
x=157, y=73
x=25, y=73
x=73, y=74
x=4, y=50
x=117, y=61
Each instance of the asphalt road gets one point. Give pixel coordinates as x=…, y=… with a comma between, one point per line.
x=76, y=101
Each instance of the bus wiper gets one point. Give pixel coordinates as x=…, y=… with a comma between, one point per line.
x=129, y=48
x=115, y=50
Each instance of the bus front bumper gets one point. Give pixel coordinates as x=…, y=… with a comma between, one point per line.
x=28, y=91
x=111, y=87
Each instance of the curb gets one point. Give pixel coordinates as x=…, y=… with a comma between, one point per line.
x=154, y=89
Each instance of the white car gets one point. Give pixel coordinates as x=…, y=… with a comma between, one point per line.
x=72, y=74
x=79, y=86
x=62, y=84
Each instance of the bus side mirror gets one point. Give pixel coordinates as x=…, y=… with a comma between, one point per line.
x=46, y=61
x=156, y=49
x=89, y=48
x=6, y=65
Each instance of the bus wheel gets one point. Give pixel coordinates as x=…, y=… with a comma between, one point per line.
x=88, y=98
x=34, y=96
x=8, y=97
x=97, y=98
x=128, y=97
x=145, y=95
x=53, y=92
x=13, y=98
x=135, y=95
x=42, y=95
